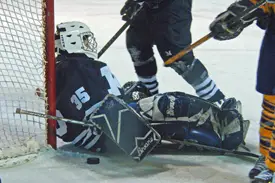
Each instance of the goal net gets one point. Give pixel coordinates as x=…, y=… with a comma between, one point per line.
x=26, y=63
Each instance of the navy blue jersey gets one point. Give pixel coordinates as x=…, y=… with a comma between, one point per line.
x=81, y=83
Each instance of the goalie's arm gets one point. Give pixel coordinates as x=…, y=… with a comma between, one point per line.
x=81, y=85
x=86, y=136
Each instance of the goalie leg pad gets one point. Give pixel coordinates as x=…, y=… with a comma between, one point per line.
x=234, y=128
x=199, y=135
x=179, y=110
x=194, y=118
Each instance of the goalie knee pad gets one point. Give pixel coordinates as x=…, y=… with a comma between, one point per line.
x=197, y=76
x=234, y=128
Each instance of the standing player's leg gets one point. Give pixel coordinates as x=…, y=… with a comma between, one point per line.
x=139, y=45
x=172, y=27
x=266, y=86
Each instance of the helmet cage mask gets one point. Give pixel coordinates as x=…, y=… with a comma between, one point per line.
x=75, y=37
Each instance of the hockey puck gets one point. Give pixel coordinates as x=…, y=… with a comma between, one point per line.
x=93, y=160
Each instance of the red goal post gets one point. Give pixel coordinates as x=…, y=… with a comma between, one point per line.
x=50, y=69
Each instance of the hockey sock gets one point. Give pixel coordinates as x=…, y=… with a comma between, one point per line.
x=266, y=124
x=267, y=131
x=208, y=90
x=150, y=82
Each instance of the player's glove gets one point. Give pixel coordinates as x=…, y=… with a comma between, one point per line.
x=130, y=8
x=224, y=30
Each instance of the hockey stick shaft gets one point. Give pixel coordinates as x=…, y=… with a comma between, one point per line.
x=188, y=49
x=211, y=148
x=47, y=116
x=84, y=123
x=118, y=33
x=112, y=40
x=210, y=35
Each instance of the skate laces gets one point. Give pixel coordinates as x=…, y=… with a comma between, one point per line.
x=260, y=164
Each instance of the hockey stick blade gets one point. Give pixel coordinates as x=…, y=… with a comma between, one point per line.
x=211, y=148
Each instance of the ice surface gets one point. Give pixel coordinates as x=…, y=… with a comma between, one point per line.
x=232, y=65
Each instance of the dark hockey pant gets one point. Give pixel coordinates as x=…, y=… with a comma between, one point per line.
x=168, y=28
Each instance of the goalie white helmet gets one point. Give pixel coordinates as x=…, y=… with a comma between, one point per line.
x=75, y=37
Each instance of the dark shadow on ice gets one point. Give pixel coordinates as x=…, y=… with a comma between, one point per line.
x=115, y=164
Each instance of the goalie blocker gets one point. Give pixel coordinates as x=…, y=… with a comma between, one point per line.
x=125, y=127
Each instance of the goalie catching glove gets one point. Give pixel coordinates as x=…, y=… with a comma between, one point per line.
x=222, y=27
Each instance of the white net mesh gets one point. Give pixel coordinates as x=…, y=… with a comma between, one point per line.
x=21, y=72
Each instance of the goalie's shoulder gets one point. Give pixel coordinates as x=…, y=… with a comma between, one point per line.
x=78, y=59
x=98, y=63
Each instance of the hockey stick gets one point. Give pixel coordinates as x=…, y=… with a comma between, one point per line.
x=211, y=148
x=188, y=49
x=83, y=123
x=47, y=116
x=119, y=32
x=210, y=35
x=110, y=42
x=181, y=143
